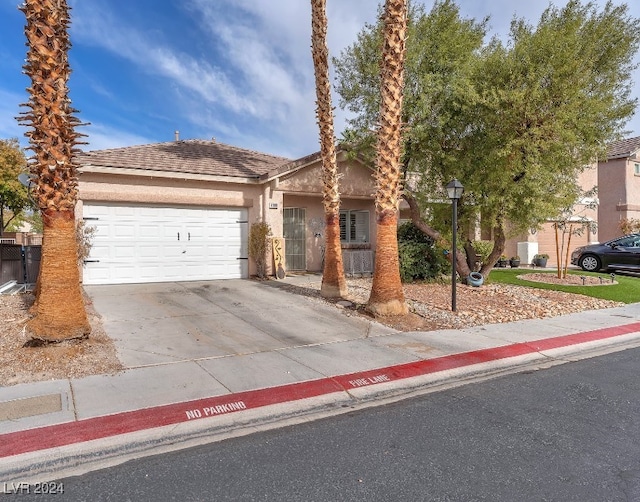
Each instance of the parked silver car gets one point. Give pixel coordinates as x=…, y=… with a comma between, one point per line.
x=622, y=253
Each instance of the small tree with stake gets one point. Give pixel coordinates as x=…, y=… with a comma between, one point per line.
x=572, y=222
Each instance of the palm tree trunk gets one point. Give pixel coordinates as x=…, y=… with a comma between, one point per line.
x=387, y=296
x=334, y=284
x=59, y=309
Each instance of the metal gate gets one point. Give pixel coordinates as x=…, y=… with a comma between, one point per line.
x=19, y=263
x=294, y=231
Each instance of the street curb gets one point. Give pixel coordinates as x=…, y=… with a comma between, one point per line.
x=48, y=450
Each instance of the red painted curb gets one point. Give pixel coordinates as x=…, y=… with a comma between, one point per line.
x=52, y=436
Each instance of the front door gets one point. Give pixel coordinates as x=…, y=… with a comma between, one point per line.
x=294, y=232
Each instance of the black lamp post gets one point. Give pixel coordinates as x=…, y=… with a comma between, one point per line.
x=454, y=190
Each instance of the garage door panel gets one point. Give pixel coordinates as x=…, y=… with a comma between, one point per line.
x=198, y=251
x=149, y=251
x=99, y=251
x=140, y=244
x=124, y=253
x=146, y=231
x=123, y=232
x=149, y=211
x=121, y=274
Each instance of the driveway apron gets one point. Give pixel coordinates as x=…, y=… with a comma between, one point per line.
x=170, y=322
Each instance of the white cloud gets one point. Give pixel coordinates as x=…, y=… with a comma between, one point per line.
x=99, y=136
x=266, y=71
x=264, y=60
x=252, y=82
x=100, y=28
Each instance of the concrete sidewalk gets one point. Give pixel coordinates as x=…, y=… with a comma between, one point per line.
x=211, y=360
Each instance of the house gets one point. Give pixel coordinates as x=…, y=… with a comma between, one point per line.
x=543, y=240
x=618, y=187
x=617, y=178
x=182, y=210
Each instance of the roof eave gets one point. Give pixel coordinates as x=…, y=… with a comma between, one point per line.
x=626, y=155
x=296, y=165
x=150, y=173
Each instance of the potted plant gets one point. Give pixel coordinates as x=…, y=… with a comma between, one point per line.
x=514, y=261
x=540, y=260
x=502, y=262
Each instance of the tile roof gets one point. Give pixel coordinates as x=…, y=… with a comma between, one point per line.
x=293, y=165
x=186, y=156
x=623, y=148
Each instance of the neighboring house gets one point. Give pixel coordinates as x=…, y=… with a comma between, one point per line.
x=618, y=187
x=618, y=180
x=182, y=210
x=543, y=241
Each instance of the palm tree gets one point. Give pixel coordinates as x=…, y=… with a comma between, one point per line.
x=59, y=308
x=334, y=284
x=387, y=296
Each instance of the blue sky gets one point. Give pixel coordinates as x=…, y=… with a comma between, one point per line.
x=237, y=70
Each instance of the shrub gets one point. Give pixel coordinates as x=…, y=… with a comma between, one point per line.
x=483, y=250
x=259, y=236
x=84, y=239
x=629, y=225
x=420, y=257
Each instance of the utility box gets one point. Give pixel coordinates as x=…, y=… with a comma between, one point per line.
x=526, y=252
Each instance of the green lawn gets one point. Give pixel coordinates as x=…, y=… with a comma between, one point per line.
x=627, y=290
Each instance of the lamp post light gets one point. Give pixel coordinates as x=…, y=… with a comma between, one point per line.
x=454, y=190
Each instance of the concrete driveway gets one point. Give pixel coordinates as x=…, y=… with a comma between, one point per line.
x=170, y=322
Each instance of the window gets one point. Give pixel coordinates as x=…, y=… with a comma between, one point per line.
x=636, y=168
x=631, y=241
x=354, y=226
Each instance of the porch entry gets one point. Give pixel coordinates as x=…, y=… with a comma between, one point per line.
x=294, y=232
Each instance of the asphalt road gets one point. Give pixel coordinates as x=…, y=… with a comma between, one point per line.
x=567, y=433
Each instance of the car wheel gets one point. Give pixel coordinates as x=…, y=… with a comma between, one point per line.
x=590, y=263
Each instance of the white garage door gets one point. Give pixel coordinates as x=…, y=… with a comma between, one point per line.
x=156, y=244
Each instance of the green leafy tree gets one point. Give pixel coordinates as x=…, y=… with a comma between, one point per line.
x=550, y=101
x=515, y=123
x=439, y=101
x=14, y=199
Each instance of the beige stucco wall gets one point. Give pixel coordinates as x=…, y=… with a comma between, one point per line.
x=303, y=189
x=314, y=214
x=611, y=193
x=619, y=193
x=170, y=191
x=264, y=201
x=116, y=188
x=356, y=180
x=545, y=238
